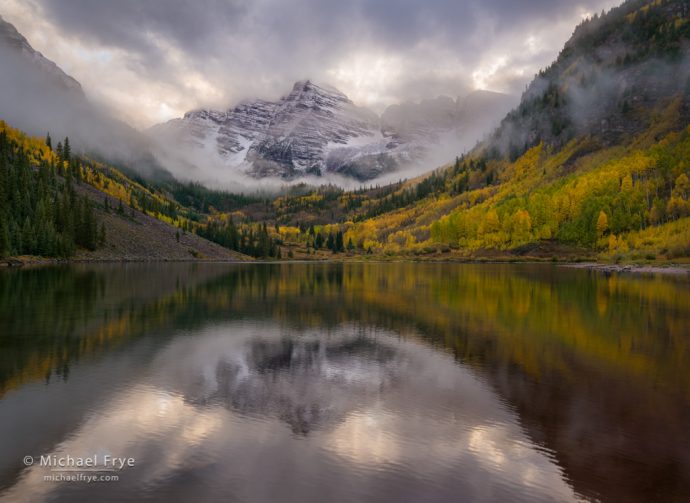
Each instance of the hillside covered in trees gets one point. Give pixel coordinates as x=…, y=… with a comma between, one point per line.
x=55, y=204
x=40, y=211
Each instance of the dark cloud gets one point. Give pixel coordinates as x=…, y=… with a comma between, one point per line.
x=131, y=24
x=194, y=25
x=375, y=50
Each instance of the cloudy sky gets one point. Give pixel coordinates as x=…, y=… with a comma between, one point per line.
x=153, y=60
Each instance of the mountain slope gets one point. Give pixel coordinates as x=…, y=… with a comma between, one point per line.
x=56, y=204
x=138, y=236
x=610, y=81
x=316, y=130
x=13, y=43
x=38, y=97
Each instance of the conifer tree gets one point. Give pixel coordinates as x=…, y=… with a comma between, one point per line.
x=66, y=151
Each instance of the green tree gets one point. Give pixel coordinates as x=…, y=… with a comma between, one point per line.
x=339, y=246
x=602, y=224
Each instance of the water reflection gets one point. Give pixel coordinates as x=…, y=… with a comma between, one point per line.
x=307, y=381
x=360, y=382
x=358, y=407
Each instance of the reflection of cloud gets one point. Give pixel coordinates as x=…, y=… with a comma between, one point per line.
x=363, y=439
x=134, y=424
x=498, y=452
x=208, y=417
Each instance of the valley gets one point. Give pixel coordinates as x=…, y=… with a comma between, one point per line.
x=608, y=183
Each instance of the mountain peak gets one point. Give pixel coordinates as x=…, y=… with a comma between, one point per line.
x=10, y=35
x=302, y=85
x=306, y=90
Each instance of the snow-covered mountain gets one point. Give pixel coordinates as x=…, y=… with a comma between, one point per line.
x=316, y=130
x=313, y=130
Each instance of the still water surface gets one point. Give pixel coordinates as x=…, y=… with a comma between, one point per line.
x=346, y=382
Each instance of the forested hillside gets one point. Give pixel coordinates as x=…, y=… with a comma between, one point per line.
x=40, y=211
x=54, y=203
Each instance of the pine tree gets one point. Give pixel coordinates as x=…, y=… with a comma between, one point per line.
x=66, y=150
x=339, y=247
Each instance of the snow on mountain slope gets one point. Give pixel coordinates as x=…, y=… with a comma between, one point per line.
x=313, y=131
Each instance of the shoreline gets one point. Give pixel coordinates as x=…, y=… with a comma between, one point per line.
x=20, y=262
x=606, y=268
x=671, y=269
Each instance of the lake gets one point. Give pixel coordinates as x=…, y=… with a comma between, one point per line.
x=392, y=382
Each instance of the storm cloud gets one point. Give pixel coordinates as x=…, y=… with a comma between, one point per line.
x=151, y=61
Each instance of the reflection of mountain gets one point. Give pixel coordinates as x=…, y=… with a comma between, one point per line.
x=306, y=383
x=84, y=311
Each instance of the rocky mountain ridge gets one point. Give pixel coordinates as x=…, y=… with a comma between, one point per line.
x=316, y=130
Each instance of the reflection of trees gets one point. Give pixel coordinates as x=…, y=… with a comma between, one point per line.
x=579, y=355
x=52, y=316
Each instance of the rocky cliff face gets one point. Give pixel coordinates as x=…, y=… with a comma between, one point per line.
x=315, y=130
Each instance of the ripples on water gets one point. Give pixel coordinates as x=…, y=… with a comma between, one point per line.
x=388, y=382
